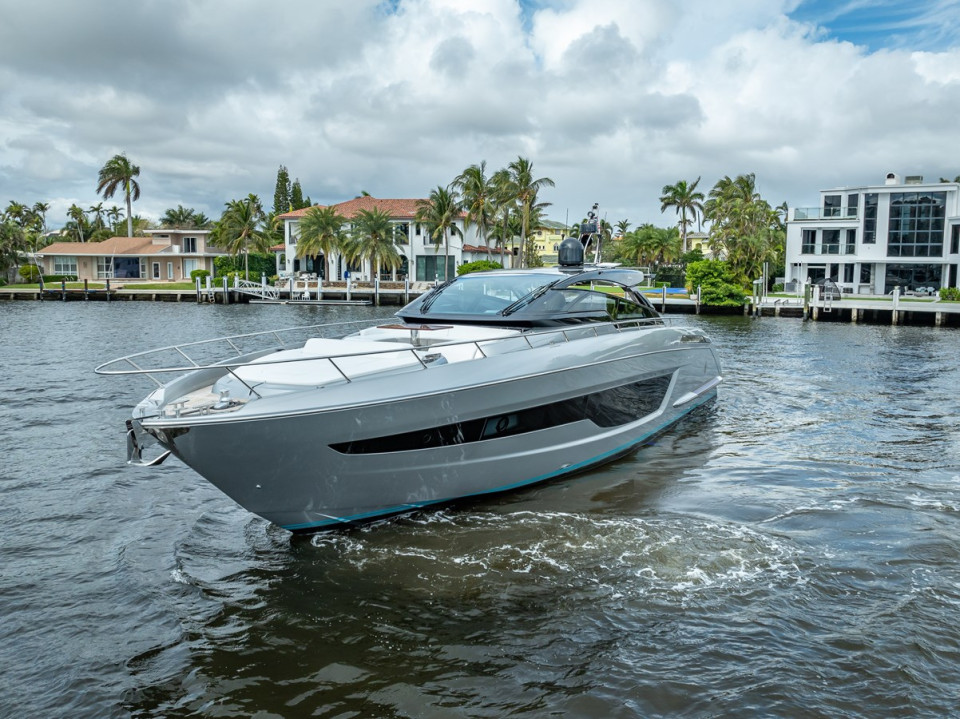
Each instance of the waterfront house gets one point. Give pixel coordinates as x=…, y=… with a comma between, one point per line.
x=166, y=255
x=546, y=237
x=422, y=258
x=872, y=238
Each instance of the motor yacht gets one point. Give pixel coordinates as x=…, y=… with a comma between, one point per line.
x=493, y=381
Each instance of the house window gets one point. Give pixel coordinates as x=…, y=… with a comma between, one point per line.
x=955, y=239
x=189, y=266
x=865, y=274
x=853, y=203
x=156, y=271
x=65, y=265
x=401, y=233
x=169, y=270
x=808, y=244
x=418, y=229
x=851, y=247
x=848, y=273
x=870, y=218
x=104, y=268
x=831, y=242
x=189, y=244
x=916, y=224
x=831, y=206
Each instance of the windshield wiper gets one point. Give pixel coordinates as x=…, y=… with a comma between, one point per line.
x=433, y=296
x=525, y=300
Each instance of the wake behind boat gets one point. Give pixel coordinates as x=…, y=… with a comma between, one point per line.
x=493, y=381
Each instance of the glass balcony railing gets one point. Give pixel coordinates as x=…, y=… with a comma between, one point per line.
x=824, y=213
x=828, y=250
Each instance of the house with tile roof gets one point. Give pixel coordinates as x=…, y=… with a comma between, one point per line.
x=166, y=255
x=422, y=258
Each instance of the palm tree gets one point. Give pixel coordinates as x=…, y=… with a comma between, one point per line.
x=16, y=211
x=96, y=213
x=240, y=228
x=622, y=227
x=77, y=214
x=633, y=247
x=118, y=173
x=504, y=204
x=439, y=213
x=685, y=198
x=12, y=242
x=478, y=193
x=114, y=214
x=525, y=189
x=372, y=239
x=321, y=232
x=180, y=218
x=744, y=225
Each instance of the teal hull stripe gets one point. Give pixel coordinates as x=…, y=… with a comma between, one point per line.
x=504, y=488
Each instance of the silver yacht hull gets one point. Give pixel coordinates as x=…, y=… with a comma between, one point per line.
x=412, y=436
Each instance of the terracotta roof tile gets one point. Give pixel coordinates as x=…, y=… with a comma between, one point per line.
x=398, y=209
x=113, y=246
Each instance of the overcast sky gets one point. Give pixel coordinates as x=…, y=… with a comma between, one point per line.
x=612, y=99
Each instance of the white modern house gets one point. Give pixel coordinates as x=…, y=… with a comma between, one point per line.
x=422, y=258
x=870, y=239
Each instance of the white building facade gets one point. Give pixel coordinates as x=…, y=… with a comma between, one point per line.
x=422, y=259
x=904, y=233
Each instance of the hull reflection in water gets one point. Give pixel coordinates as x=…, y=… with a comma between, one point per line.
x=493, y=381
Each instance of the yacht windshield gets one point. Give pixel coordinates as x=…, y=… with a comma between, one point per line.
x=483, y=294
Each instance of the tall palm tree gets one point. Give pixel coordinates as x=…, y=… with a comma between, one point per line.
x=373, y=240
x=240, y=229
x=622, y=227
x=685, y=199
x=526, y=189
x=41, y=209
x=119, y=173
x=478, y=196
x=439, y=213
x=321, y=233
x=504, y=205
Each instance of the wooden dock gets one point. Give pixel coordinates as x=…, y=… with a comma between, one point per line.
x=874, y=310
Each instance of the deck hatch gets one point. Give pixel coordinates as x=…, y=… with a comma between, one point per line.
x=607, y=408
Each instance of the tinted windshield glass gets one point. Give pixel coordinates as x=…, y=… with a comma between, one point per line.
x=484, y=294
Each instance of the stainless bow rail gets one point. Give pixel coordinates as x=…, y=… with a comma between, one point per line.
x=245, y=348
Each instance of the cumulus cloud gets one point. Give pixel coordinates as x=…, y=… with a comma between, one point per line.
x=611, y=98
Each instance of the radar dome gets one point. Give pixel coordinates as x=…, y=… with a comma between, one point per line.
x=570, y=253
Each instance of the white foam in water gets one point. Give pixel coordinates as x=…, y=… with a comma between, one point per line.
x=624, y=557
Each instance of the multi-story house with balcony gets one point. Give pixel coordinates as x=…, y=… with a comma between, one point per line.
x=165, y=255
x=871, y=239
x=421, y=257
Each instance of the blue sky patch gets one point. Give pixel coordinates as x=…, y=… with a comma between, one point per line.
x=885, y=24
